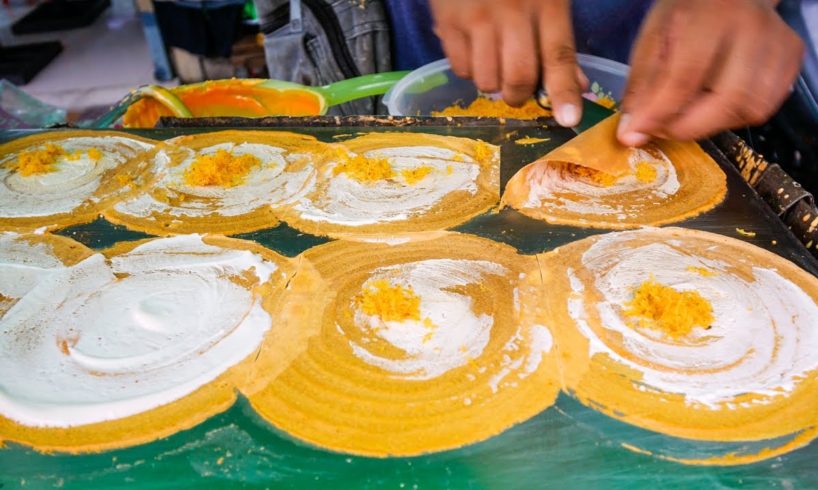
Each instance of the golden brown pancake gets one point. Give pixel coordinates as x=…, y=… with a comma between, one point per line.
x=226, y=182
x=398, y=183
x=60, y=178
x=135, y=344
x=689, y=334
x=407, y=349
x=593, y=181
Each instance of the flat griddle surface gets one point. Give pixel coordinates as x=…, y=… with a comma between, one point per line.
x=566, y=446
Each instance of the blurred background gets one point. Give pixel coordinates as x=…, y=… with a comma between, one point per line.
x=82, y=56
x=69, y=61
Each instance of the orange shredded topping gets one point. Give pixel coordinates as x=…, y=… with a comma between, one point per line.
x=94, y=154
x=389, y=303
x=42, y=161
x=123, y=179
x=530, y=140
x=605, y=100
x=702, y=271
x=485, y=107
x=222, y=168
x=645, y=172
x=414, y=175
x=365, y=169
x=676, y=313
x=483, y=152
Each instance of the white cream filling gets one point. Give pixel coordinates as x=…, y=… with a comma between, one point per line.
x=346, y=201
x=457, y=334
x=523, y=355
x=555, y=188
x=72, y=183
x=763, y=338
x=23, y=265
x=104, y=340
x=270, y=184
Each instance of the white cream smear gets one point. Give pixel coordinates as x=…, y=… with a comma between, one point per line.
x=270, y=184
x=449, y=334
x=106, y=339
x=23, y=265
x=762, y=341
x=456, y=333
x=346, y=201
x=72, y=183
x=561, y=189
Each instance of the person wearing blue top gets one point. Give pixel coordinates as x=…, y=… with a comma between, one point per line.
x=697, y=66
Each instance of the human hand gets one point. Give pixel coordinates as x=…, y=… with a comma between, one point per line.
x=702, y=66
x=509, y=45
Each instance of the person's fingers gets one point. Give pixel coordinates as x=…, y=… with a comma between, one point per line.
x=646, y=54
x=484, y=57
x=582, y=79
x=457, y=48
x=646, y=62
x=684, y=72
x=729, y=101
x=518, y=58
x=560, y=61
x=750, y=89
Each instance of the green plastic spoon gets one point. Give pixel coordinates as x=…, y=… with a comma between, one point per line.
x=327, y=95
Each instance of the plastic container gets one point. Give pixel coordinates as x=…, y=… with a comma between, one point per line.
x=434, y=87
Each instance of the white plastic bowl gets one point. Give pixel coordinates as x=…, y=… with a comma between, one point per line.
x=434, y=87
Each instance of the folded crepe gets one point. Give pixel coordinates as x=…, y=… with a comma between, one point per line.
x=594, y=181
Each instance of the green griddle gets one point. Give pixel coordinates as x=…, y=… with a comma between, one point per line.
x=566, y=446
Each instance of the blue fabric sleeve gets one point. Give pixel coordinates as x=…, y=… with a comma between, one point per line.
x=414, y=42
x=604, y=28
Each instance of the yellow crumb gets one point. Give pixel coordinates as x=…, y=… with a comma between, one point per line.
x=389, y=303
x=221, y=168
x=743, y=232
x=483, y=152
x=485, y=107
x=645, y=172
x=605, y=100
x=414, y=175
x=676, y=313
x=123, y=179
x=449, y=170
x=42, y=161
x=702, y=271
x=364, y=169
x=94, y=154
x=528, y=140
